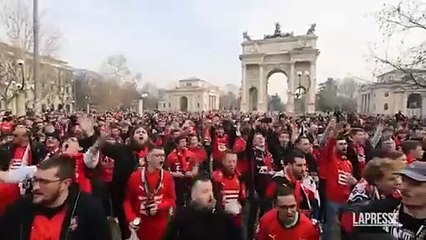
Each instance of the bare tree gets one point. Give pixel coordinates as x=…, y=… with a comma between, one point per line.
x=9, y=78
x=347, y=87
x=17, y=22
x=115, y=67
x=405, y=19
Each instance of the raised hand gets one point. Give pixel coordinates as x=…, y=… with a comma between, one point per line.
x=86, y=125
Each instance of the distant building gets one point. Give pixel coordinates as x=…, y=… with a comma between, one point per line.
x=56, y=81
x=191, y=95
x=394, y=91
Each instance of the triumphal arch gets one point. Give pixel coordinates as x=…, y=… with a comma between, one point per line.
x=293, y=55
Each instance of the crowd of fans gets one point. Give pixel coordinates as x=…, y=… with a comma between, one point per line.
x=210, y=175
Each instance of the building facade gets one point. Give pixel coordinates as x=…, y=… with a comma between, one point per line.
x=392, y=92
x=56, y=82
x=191, y=95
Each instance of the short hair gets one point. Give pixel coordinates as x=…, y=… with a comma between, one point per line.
x=409, y=145
x=64, y=163
x=295, y=154
x=282, y=191
x=376, y=168
x=202, y=177
x=152, y=147
x=354, y=131
x=393, y=155
x=299, y=139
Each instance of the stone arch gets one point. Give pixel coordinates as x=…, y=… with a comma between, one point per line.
x=286, y=53
x=52, y=107
x=44, y=107
x=183, y=103
x=275, y=79
x=253, y=98
x=68, y=108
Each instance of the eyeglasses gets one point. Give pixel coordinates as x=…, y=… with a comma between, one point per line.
x=43, y=181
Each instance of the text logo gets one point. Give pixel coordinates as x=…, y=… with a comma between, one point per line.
x=372, y=219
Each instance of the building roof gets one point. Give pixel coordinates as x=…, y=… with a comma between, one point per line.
x=12, y=50
x=416, y=70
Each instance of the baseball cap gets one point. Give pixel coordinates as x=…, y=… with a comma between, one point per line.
x=415, y=171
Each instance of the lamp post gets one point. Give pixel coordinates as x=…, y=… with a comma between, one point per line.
x=301, y=90
x=88, y=99
x=140, y=103
x=20, y=90
x=36, y=57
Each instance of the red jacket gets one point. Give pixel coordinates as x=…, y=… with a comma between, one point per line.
x=80, y=173
x=232, y=193
x=161, y=190
x=243, y=165
x=304, y=196
x=181, y=161
x=199, y=153
x=336, y=191
x=270, y=228
x=218, y=143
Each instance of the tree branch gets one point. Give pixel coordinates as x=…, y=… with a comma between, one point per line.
x=404, y=70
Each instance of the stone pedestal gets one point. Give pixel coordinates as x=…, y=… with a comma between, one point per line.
x=140, y=106
x=20, y=104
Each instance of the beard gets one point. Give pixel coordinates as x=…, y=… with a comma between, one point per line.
x=46, y=201
x=137, y=144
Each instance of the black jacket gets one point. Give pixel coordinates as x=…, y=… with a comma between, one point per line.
x=193, y=224
x=38, y=152
x=409, y=225
x=82, y=208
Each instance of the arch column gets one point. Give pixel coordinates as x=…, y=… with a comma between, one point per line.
x=290, y=86
x=244, y=90
x=261, y=101
x=311, y=93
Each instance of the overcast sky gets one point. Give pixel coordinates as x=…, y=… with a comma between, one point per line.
x=174, y=39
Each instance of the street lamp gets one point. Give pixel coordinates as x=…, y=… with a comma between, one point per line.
x=21, y=65
x=301, y=90
x=140, y=103
x=88, y=99
x=36, y=56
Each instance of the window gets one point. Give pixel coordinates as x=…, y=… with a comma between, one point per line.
x=386, y=94
x=164, y=105
x=386, y=107
x=170, y=105
x=198, y=105
x=189, y=84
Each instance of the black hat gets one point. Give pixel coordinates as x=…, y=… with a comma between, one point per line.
x=54, y=134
